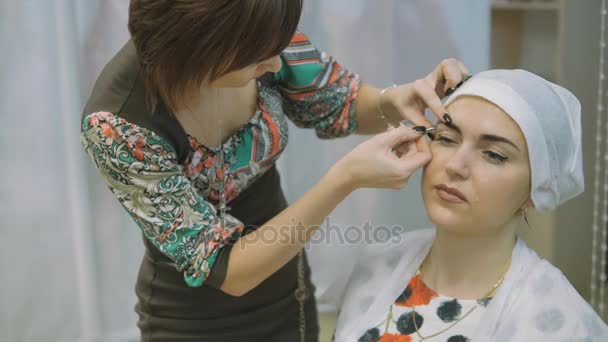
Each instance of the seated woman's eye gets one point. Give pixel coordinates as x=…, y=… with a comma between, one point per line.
x=495, y=158
x=444, y=140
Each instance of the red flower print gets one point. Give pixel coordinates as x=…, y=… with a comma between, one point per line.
x=105, y=116
x=93, y=120
x=209, y=162
x=394, y=338
x=135, y=143
x=138, y=153
x=231, y=189
x=198, y=169
x=194, y=166
x=110, y=133
x=214, y=196
x=219, y=174
x=416, y=294
x=211, y=245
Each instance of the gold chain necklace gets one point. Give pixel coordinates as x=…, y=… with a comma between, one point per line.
x=485, y=297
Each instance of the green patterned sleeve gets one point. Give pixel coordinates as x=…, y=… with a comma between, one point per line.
x=142, y=171
x=318, y=92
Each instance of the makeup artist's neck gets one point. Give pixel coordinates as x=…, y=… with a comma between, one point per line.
x=221, y=101
x=216, y=113
x=466, y=266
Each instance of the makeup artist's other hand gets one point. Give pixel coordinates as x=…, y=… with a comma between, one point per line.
x=408, y=101
x=375, y=164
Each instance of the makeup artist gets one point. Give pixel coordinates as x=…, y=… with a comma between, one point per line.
x=185, y=124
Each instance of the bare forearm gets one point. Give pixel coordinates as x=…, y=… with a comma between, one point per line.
x=261, y=253
x=369, y=119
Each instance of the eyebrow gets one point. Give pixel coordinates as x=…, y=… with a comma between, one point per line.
x=487, y=137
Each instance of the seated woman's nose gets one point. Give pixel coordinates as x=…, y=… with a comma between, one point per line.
x=457, y=166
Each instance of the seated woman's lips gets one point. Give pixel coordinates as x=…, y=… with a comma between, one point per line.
x=449, y=194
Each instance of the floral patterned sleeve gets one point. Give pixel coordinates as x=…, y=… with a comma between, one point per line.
x=318, y=92
x=142, y=171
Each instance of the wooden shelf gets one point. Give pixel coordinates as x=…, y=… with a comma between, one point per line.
x=526, y=6
x=527, y=39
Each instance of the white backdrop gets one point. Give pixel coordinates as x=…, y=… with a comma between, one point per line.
x=70, y=254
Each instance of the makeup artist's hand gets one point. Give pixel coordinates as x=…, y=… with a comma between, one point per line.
x=375, y=164
x=408, y=101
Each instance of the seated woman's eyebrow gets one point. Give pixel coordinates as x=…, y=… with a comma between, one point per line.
x=487, y=137
x=496, y=138
x=450, y=126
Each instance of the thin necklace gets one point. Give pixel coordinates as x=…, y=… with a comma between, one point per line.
x=222, y=193
x=302, y=292
x=485, y=297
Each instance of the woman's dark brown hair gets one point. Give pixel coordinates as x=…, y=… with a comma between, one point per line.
x=181, y=43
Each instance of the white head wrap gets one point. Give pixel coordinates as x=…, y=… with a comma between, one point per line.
x=549, y=117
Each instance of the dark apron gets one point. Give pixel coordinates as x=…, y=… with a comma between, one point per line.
x=168, y=309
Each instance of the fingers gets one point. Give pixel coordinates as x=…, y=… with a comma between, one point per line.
x=427, y=92
x=413, y=161
x=406, y=165
x=406, y=148
x=396, y=136
x=411, y=157
x=463, y=68
x=408, y=156
x=423, y=145
x=416, y=114
x=420, y=145
x=409, y=105
x=452, y=73
x=428, y=95
x=448, y=76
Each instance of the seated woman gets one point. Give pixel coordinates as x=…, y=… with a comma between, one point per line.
x=514, y=144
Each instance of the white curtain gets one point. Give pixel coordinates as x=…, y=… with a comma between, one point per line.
x=70, y=254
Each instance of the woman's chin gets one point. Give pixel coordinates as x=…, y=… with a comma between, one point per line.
x=447, y=217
